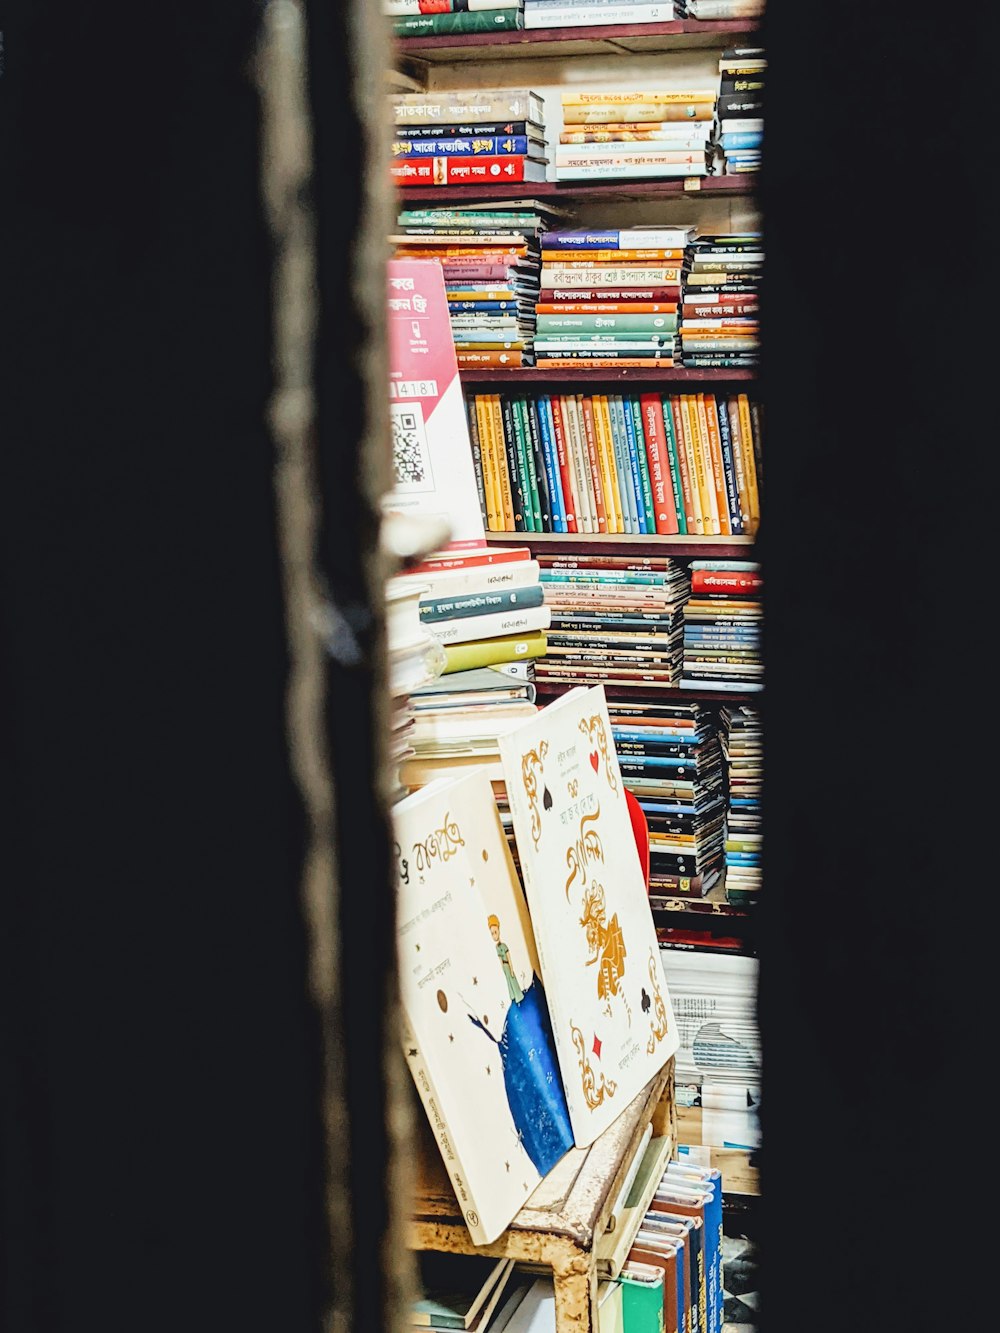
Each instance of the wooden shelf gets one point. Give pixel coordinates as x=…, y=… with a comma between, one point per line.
x=564, y=1222
x=570, y=192
x=573, y=543
x=600, y=40
x=640, y=377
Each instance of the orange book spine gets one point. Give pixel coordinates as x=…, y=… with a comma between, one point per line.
x=596, y=466
x=718, y=465
x=607, y=465
x=586, y=257
x=693, y=469
x=749, y=462
x=706, y=449
x=496, y=360
x=506, y=481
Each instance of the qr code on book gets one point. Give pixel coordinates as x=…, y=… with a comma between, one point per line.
x=410, y=456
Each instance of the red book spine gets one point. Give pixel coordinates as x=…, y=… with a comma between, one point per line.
x=594, y=464
x=659, y=463
x=502, y=555
x=562, y=456
x=741, y=583
x=458, y=171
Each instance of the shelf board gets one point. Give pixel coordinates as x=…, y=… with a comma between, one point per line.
x=589, y=375
x=570, y=192
x=600, y=40
x=617, y=543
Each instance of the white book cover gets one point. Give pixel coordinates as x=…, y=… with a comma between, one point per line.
x=477, y=1034
x=611, y=1016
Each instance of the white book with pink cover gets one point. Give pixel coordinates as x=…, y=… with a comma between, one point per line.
x=610, y=1009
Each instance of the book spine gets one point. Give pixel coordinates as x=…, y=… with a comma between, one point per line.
x=431, y=1100
x=543, y=514
x=574, y=295
x=400, y=8
x=718, y=471
x=567, y=486
x=651, y=416
x=703, y=466
x=488, y=129
x=673, y=462
x=469, y=628
x=534, y=508
x=463, y=171
x=631, y=171
x=643, y=276
x=632, y=406
x=746, y=434
x=491, y=483
x=507, y=478
x=510, y=453
x=515, y=145
x=757, y=430
x=521, y=455
x=477, y=457
x=666, y=325
x=729, y=468
x=552, y=478
x=587, y=511
x=692, y=466
x=619, y=462
x=439, y=609
x=605, y=455
x=435, y=25
x=597, y=464
x=494, y=360
x=572, y=16
x=623, y=409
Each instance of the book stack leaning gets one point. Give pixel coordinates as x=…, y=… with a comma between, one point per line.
x=610, y=298
x=641, y=135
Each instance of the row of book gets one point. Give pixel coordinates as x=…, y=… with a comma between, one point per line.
x=617, y=463
x=722, y=626
x=642, y=135
x=671, y=1278
x=740, y=129
x=720, y=319
x=442, y=18
x=490, y=137
x=741, y=735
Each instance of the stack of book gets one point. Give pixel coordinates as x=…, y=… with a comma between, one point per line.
x=671, y=761
x=742, y=745
x=712, y=11
x=616, y=619
x=595, y=13
x=610, y=298
x=490, y=260
x=439, y=18
x=493, y=137
x=740, y=123
x=415, y=659
x=722, y=622
x=486, y=609
x=720, y=316
x=617, y=463
x=644, y=135
x=714, y=994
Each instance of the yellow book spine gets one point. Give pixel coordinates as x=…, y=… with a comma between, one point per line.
x=484, y=417
x=616, y=480
x=692, y=444
x=607, y=462
x=705, y=443
x=749, y=462
x=506, y=498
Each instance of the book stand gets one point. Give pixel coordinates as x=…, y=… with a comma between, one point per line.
x=569, y=1224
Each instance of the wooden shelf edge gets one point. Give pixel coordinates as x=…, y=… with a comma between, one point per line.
x=652, y=378
x=571, y=191
x=627, y=543
x=525, y=42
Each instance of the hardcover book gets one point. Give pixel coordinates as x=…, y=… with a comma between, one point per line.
x=477, y=1033
x=611, y=1015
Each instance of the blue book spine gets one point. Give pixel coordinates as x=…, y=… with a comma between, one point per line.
x=745, y=139
x=629, y=428
x=729, y=471
x=556, y=508
x=482, y=307
x=565, y=501
x=659, y=761
x=622, y=467
x=654, y=733
x=511, y=145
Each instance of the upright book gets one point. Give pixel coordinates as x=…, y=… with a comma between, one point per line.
x=477, y=1034
x=611, y=1016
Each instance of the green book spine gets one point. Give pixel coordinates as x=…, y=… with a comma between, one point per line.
x=434, y=25
x=632, y=404
x=521, y=407
x=664, y=324
x=523, y=450
x=510, y=450
x=642, y=1303
x=543, y=515
x=675, y=470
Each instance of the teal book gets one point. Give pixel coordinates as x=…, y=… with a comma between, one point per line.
x=480, y=603
x=642, y=1298
x=521, y=450
x=642, y=518
x=622, y=466
x=675, y=468
x=635, y=407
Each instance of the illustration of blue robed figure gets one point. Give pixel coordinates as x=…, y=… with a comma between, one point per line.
x=530, y=1070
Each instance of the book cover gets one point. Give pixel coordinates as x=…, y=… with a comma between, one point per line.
x=491, y=652
x=431, y=449
x=642, y=1297
x=477, y=1031
x=611, y=1014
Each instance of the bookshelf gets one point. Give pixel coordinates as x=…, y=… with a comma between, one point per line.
x=622, y=39
x=578, y=192
x=564, y=1226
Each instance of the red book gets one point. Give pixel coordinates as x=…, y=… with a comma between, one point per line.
x=595, y=466
x=733, y=583
x=562, y=456
x=659, y=463
x=458, y=171
x=492, y=555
